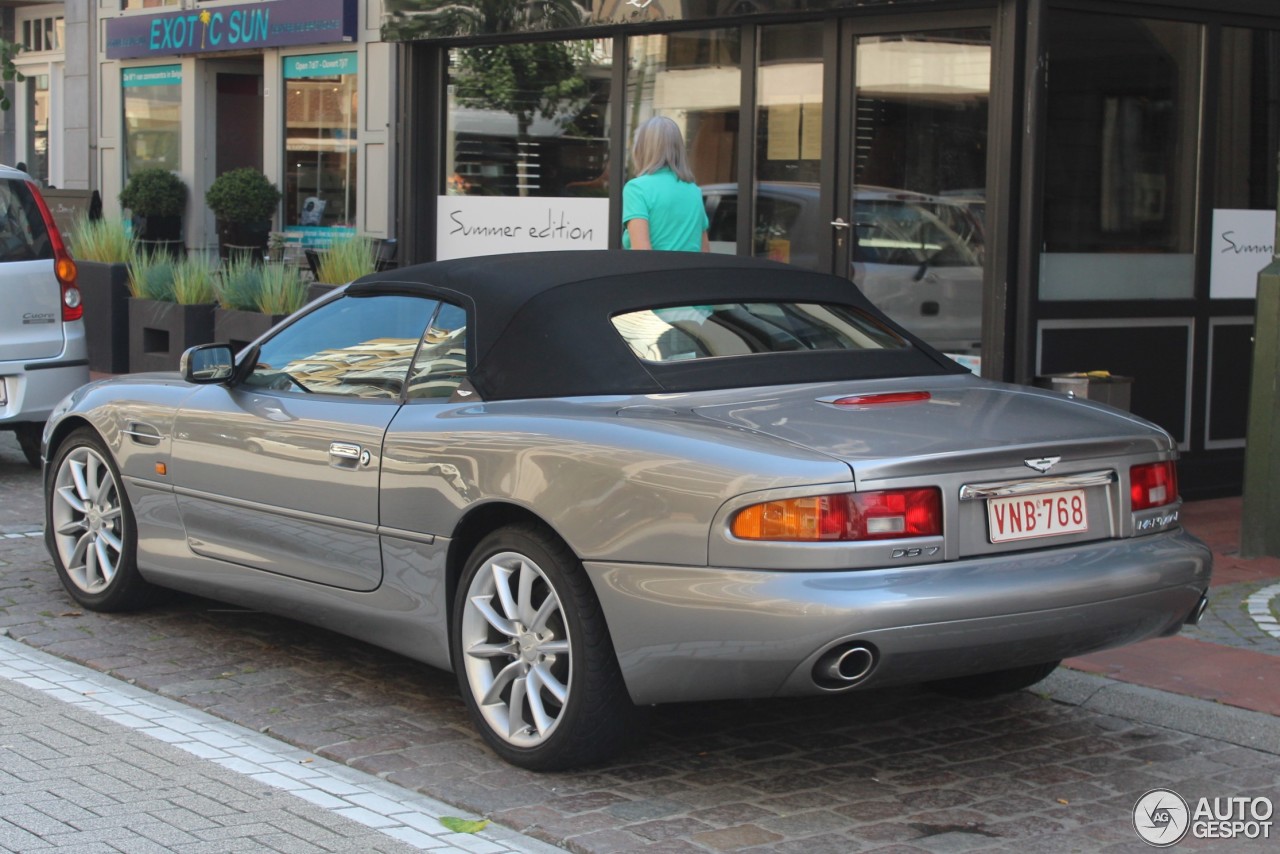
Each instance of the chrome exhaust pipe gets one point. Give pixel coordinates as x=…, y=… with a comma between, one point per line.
x=1197, y=613
x=845, y=665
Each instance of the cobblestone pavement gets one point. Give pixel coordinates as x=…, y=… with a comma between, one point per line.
x=901, y=771
x=1228, y=621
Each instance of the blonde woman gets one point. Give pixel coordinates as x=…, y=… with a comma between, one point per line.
x=662, y=206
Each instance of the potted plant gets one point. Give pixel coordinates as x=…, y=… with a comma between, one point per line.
x=156, y=198
x=171, y=309
x=252, y=298
x=346, y=259
x=243, y=200
x=102, y=248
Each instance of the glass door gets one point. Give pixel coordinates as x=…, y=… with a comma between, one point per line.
x=912, y=234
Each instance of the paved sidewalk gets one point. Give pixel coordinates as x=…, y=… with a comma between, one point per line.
x=1233, y=656
x=89, y=763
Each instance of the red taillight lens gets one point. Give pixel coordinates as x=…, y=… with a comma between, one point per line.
x=63, y=266
x=1153, y=485
x=882, y=398
x=886, y=515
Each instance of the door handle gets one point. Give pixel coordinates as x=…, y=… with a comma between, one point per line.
x=841, y=227
x=348, y=455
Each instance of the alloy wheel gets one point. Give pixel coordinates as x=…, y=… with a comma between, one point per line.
x=87, y=520
x=515, y=644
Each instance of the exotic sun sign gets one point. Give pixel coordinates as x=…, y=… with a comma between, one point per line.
x=256, y=25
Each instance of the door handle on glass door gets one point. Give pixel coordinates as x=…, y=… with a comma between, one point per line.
x=841, y=227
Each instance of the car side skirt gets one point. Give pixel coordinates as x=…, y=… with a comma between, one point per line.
x=405, y=614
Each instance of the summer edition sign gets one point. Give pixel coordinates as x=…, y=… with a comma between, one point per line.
x=253, y=25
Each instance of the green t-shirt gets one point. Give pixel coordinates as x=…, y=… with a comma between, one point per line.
x=673, y=208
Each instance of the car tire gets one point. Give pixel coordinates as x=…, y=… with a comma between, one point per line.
x=981, y=686
x=90, y=529
x=533, y=656
x=28, y=434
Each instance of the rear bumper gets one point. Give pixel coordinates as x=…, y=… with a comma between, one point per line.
x=703, y=633
x=34, y=387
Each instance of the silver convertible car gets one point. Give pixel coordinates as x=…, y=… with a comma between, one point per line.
x=590, y=482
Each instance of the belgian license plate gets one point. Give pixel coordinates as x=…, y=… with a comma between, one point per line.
x=1047, y=514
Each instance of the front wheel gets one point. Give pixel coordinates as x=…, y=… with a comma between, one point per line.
x=981, y=686
x=89, y=527
x=533, y=656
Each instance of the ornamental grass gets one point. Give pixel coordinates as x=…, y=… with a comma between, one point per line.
x=281, y=289
x=151, y=275
x=193, y=281
x=107, y=241
x=346, y=260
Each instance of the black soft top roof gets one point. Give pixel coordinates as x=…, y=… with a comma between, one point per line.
x=539, y=322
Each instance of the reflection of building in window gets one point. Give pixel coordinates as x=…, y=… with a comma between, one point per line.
x=152, y=117
x=377, y=368
x=320, y=140
x=546, y=135
x=38, y=127
x=374, y=368
x=695, y=79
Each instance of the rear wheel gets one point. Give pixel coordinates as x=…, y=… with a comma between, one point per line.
x=90, y=528
x=533, y=656
x=983, y=685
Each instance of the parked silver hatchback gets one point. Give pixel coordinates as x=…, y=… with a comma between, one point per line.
x=43, y=355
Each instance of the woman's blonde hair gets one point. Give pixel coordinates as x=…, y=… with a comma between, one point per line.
x=658, y=143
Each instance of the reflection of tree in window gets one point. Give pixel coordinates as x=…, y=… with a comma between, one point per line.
x=564, y=83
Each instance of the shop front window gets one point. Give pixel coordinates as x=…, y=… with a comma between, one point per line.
x=695, y=79
x=320, y=146
x=526, y=148
x=152, y=120
x=1244, y=185
x=1120, y=158
x=37, y=91
x=788, y=144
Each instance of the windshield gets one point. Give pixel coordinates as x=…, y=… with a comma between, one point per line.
x=741, y=328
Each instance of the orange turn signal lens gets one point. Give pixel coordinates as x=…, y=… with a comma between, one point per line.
x=883, y=515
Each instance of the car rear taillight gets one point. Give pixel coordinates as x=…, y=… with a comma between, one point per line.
x=885, y=515
x=1153, y=485
x=64, y=267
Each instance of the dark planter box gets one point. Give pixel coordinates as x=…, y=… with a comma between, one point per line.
x=240, y=240
x=315, y=290
x=159, y=332
x=105, y=291
x=156, y=227
x=238, y=328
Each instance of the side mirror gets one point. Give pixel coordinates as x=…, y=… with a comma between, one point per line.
x=207, y=363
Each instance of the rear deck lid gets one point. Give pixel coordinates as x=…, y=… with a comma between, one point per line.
x=938, y=424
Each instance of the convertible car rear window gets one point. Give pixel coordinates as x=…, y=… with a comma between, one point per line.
x=689, y=332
